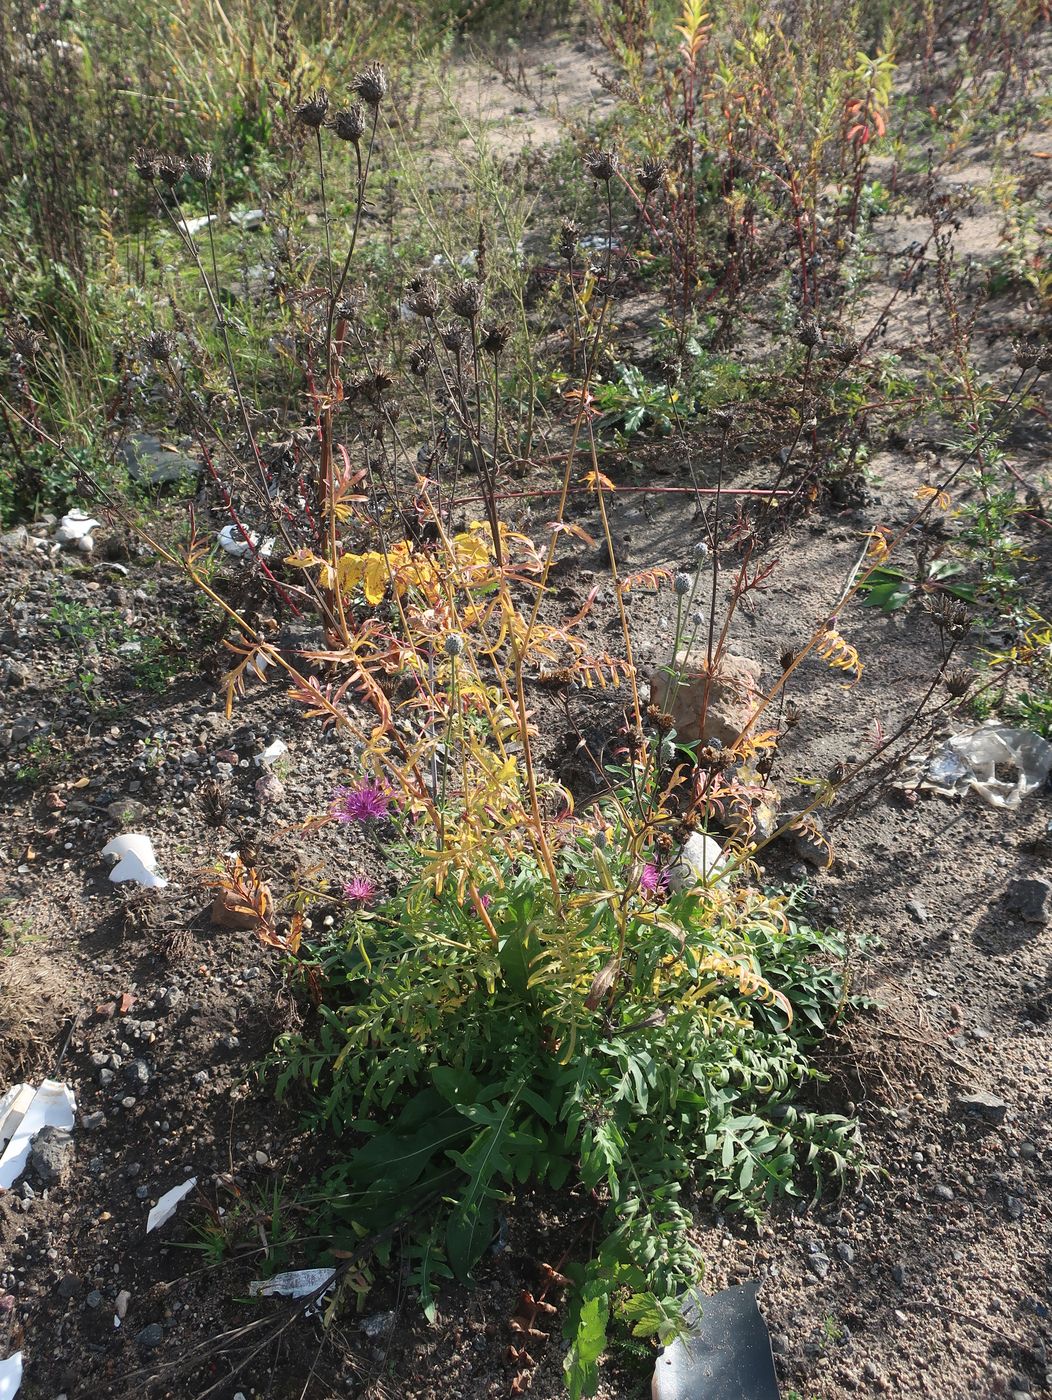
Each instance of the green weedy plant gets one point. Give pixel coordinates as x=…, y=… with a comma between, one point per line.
x=643, y=1042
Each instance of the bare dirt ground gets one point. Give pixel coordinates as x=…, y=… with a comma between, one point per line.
x=932, y=1278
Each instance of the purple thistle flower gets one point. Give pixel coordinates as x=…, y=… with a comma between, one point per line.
x=361, y=803
x=360, y=890
x=653, y=881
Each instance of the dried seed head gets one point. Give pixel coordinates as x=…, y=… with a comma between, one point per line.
x=958, y=683
x=495, y=338
x=847, y=349
x=682, y=584
x=466, y=301
x=419, y=358
x=22, y=338
x=424, y=298
x=948, y=614
x=145, y=163
x=159, y=346
x=569, y=233
x=371, y=85
x=1026, y=353
x=453, y=645
x=452, y=337
x=170, y=170
x=792, y=714
x=349, y=123
x=201, y=166
x=808, y=332
x=314, y=110
x=786, y=659
x=701, y=551
x=651, y=174
x=601, y=165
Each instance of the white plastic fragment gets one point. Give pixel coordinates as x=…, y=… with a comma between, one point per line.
x=232, y=541
x=247, y=219
x=270, y=755
x=701, y=859
x=13, y=1106
x=198, y=225
x=969, y=762
x=53, y=1105
x=298, y=1283
x=75, y=526
x=165, y=1207
x=136, y=860
x=10, y=1376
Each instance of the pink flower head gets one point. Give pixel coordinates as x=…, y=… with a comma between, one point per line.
x=653, y=881
x=360, y=890
x=361, y=803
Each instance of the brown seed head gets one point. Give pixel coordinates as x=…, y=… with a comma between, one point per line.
x=495, y=338
x=159, y=346
x=958, y=683
x=170, y=170
x=787, y=658
x=314, y=110
x=419, y=358
x=452, y=337
x=201, y=166
x=1026, y=353
x=466, y=301
x=809, y=333
x=601, y=165
x=371, y=85
x=424, y=299
x=568, y=236
x=349, y=123
x=22, y=338
x=651, y=174
x=145, y=163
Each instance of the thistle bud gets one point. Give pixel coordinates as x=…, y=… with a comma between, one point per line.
x=701, y=551
x=682, y=584
x=424, y=298
x=495, y=338
x=808, y=332
x=452, y=337
x=159, y=346
x=453, y=646
x=201, y=166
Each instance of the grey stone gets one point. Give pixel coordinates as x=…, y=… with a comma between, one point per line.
x=94, y=1299
x=917, y=909
x=156, y=463
x=818, y=1264
x=90, y=1121
x=1031, y=900
x=986, y=1106
x=151, y=1336
x=943, y=1193
x=137, y=1074
x=50, y=1155
x=68, y=1286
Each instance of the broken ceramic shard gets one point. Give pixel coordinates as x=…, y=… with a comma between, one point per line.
x=725, y=1353
x=74, y=527
x=232, y=540
x=10, y=1376
x=165, y=1207
x=969, y=762
x=136, y=860
x=53, y=1105
x=270, y=755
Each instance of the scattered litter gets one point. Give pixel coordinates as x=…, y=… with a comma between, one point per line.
x=199, y=224
x=271, y=754
x=969, y=762
x=13, y=1107
x=725, y=1354
x=165, y=1207
x=232, y=541
x=10, y=1376
x=53, y=1105
x=75, y=529
x=295, y=1284
x=247, y=219
x=136, y=860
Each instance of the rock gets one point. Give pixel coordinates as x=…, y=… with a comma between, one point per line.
x=917, y=909
x=1031, y=900
x=700, y=860
x=943, y=1192
x=137, y=1074
x=378, y=1324
x=94, y=1299
x=157, y=463
x=69, y=1286
x=15, y=674
x=121, y=1305
x=811, y=844
x=733, y=694
x=844, y=1251
x=818, y=1264
x=50, y=1155
x=986, y=1106
x=90, y=1121
x=150, y=1336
